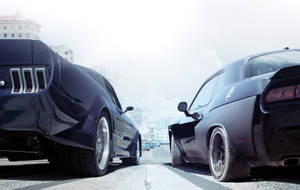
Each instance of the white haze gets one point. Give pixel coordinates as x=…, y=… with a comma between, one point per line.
x=158, y=52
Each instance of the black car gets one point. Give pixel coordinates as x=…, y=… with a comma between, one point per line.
x=245, y=115
x=53, y=109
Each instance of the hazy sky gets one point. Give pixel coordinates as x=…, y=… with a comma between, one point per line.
x=158, y=52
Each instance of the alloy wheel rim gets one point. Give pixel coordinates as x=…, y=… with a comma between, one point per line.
x=102, y=143
x=217, y=155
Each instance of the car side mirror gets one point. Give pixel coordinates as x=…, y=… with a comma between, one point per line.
x=129, y=108
x=182, y=107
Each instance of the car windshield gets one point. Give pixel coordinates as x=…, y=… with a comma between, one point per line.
x=272, y=62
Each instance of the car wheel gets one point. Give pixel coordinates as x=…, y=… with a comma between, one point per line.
x=175, y=153
x=136, y=159
x=224, y=162
x=86, y=162
x=103, y=146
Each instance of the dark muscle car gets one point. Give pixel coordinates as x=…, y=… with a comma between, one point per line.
x=53, y=109
x=245, y=115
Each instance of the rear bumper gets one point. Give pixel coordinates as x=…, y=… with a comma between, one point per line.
x=49, y=115
x=276, y=137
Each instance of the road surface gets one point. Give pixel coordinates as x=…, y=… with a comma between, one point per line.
x=155, y=172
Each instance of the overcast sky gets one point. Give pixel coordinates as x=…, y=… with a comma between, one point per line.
x=158, y=52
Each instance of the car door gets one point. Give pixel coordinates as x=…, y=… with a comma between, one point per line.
x=121, y=137
x=199, y=105
x=129, y=132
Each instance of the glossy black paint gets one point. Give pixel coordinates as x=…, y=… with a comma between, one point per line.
x=66, y=112
x=264, y=134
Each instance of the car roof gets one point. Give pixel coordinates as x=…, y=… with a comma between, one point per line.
x=245, y=59
x=269, y=52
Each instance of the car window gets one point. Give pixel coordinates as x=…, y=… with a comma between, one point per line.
x=112, y=94
x=206, y=93
x=219, y=83
x=272, y=62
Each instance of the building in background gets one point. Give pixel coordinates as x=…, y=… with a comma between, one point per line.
x=156, y=131
x=136, y=117
x=64, y=51
x=161, y=132
x=147, y=131
x=14, y=27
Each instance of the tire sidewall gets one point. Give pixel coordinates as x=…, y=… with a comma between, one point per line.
x=98, y=170
x=138, y=148
x=176, y=159
x=173, y=146
x=225, y=139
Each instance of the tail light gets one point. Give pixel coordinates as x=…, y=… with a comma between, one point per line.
x=16, y=79
x=283, y=93
x=29, y=86
x=28, y=80
x=40, y=76
x=298, y=91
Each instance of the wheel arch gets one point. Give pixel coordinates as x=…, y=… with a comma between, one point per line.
x=171, y=132
x=105, y=110
x=140, y=142
x=176, y=140
x=210, y=130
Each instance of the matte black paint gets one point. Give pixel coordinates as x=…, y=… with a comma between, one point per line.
x=262, y=133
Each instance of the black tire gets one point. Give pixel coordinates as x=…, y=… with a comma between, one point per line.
x=224, y=161
x=82, y=161
x=176, y=154
x=136, y=159
x=56, y=157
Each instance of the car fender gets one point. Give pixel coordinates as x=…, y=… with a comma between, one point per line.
x=236, y=118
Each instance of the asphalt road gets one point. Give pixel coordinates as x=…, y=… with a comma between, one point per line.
x=155, y=172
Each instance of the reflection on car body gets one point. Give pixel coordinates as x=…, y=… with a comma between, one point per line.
x=69, y=114
x=245, y=115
